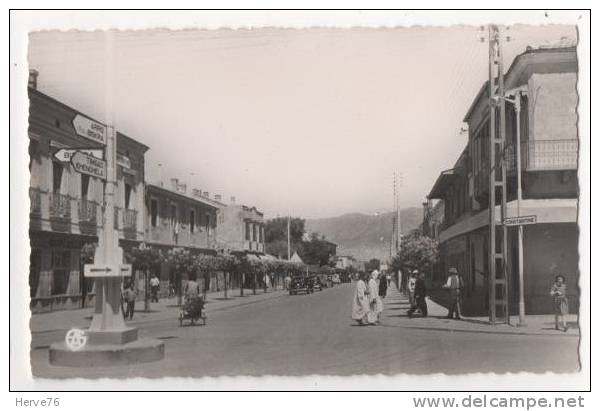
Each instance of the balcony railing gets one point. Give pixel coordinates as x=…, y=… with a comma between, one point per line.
x=35, y=198
x=544, y=155
x=88, y=211
x=129, y=219
x=60, y=206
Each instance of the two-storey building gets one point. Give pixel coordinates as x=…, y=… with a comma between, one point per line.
x=544, y=80
x=241, y=229
x=66, y=207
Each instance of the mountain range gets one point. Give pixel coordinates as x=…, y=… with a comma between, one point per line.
x=364, y=236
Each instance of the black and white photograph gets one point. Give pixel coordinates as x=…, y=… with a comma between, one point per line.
x=340, y=197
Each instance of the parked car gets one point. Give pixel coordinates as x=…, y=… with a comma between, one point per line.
x=314, y=284
x=299, y=285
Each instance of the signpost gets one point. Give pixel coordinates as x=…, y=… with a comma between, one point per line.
x=523, y=220
x=90, y=129
x=87, y=164
x=64, y=154
x=90, y=270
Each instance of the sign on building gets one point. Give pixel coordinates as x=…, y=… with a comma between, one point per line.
x=524, y=220
x=123, y=161
x=90, y=129
x=64, y=154
x=86, y=164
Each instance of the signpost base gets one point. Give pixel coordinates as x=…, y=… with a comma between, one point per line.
x=108, y=341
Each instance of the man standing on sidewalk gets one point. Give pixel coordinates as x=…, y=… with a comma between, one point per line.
x=419, y=298
x=154, y=287
x=454, y=284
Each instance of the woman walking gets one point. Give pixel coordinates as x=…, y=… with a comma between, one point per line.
x=360, y=303
x=561, y=303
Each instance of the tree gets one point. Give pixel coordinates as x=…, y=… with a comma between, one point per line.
x=276, y=235
x=144, y=258
x=183, y=262
x=372, y=264
x=417, y=252
x=317, y=251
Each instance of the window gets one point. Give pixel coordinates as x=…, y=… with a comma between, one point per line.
x=127, y=195
x=60, y=271
x=260, y=234
x=57, y=172
x=192, y=220
x=247, y=231
x=85, y=186
x=153, y=212
x=253, y=232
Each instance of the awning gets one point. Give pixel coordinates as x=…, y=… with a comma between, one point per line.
x=445, y=179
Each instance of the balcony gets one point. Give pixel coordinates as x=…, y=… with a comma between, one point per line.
x=544, y=155
x=88, y=211
x=129, y=219
x=60, y=206
x=35, y=198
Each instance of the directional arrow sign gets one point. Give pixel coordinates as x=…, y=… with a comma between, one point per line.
x=91, y=270
x=64, y=154
x=523, y=220
x=86, y=164
x=90, y=129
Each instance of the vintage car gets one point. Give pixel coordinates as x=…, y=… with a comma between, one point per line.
x=299, y=285
x=314, y=284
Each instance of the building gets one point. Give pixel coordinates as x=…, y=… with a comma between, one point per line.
x=545, y=81
x=241, y=229
x=344, y=261
x=66, y=209
x=177, y=219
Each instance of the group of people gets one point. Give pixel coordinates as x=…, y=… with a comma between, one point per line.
x=367, y=305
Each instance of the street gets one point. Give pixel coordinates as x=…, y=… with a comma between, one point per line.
x=279, y=334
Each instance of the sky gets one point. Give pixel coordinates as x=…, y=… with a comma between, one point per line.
x=312, y=122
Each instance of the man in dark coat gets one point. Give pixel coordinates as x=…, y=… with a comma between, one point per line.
x=420, y=294
x=383, y=286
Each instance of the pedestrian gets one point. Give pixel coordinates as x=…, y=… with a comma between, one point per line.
x=154, y=287
x=561, y=302
x=287, y=281
x=420, y=303
x=360, y=303
x=375, y=308
x=192, y=288
x=410, y=287
x=454, y=284
x=129, y=295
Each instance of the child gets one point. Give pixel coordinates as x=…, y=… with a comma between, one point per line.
x=561, y=303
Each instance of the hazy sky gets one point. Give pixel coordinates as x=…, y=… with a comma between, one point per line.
x=312, y=121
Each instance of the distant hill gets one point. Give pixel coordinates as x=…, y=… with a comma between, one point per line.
x=364, y=236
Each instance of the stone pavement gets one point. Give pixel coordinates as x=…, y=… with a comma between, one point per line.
x=535, y=324
x=165, y=309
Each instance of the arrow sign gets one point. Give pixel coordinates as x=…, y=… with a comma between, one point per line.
x=90, y=129
x=91, y=270
x=64, y=154
x=524, y=220
x=86, y=164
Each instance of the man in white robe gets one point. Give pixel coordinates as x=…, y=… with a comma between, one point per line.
x=374, y=307
x=360, y=303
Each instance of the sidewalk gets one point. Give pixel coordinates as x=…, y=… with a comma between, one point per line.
x=437, y=320
x=165, y=309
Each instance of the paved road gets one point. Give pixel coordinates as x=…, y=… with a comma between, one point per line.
x=313, y=334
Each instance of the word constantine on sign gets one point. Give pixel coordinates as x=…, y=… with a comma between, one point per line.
x=524, y=220
x=86, y=164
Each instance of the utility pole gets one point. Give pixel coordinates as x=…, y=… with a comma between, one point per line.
x=288, y=238
x=519, y=197
x=497, y=261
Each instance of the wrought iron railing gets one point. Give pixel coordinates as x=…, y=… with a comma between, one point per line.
x=35, y=198
x=88, y=211
x=60, y=206
x=542, y=155
x=129, y=219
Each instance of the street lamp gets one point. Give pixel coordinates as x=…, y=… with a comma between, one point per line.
x=516, y=102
